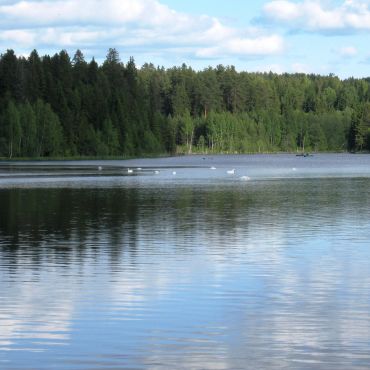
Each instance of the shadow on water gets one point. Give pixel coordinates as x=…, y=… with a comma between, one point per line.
x=63, y=220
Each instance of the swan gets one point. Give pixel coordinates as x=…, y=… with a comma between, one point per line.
x=213, y=168
x=173, y=172
x=156, y=172
x=245, y=178
x=231, y=172
x=129, y=170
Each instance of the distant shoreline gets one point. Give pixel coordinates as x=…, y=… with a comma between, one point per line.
x=124, y=158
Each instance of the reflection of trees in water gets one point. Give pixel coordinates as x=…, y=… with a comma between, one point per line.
x=70, y=223
x=65, y=221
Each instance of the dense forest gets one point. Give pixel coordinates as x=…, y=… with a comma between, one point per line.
x=58, y=106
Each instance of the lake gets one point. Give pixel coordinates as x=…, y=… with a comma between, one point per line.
x=266, y=268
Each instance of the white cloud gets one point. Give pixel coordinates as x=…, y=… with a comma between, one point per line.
x=19, y=37
x=274, y=68
x=264, y=45
x=300, y=68
x=314, y=15
x=141, y=26
x=348, y=51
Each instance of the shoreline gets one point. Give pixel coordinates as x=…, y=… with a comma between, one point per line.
x=164, y=155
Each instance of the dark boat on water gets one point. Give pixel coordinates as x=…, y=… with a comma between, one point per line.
x=304, y=155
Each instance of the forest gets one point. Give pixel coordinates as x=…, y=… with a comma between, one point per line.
x=63, y=106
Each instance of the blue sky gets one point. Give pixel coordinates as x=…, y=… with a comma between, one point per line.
x=312, y=36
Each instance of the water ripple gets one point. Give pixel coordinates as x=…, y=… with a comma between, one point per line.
x=274, y=275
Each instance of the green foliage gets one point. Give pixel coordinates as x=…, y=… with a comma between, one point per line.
x=109, y=138
x=50, y=136
x=57, y=105
x=12, y=129
x=29, y=127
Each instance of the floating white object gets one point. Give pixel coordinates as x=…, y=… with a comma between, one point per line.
x=129, y=170
x=174, y=173
x=156, y=172
x=294, y=169
x=245, y=178
x=139, y=168
x=231, y=172
x=212, y=168
x=100, y=168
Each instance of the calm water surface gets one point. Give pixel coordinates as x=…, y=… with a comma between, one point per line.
x=105, y=269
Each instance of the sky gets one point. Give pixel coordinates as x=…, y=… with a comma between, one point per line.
x=309, y=36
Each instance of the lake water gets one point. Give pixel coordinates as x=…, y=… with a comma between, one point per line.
x=267, y=268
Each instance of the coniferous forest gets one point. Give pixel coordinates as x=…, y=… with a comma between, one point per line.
x=63, y=106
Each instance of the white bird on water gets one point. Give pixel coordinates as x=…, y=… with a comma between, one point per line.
x=213, y=168
x=231, y=172
x=129, y=170
x=173, y=172
x=156, y=172
x=100, y=168
x=245, y=178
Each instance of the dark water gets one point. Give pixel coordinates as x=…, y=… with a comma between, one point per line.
x=101, y=269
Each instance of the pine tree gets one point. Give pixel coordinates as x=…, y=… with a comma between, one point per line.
x=29, y=130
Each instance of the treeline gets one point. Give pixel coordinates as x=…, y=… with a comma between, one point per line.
x=63, y=106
